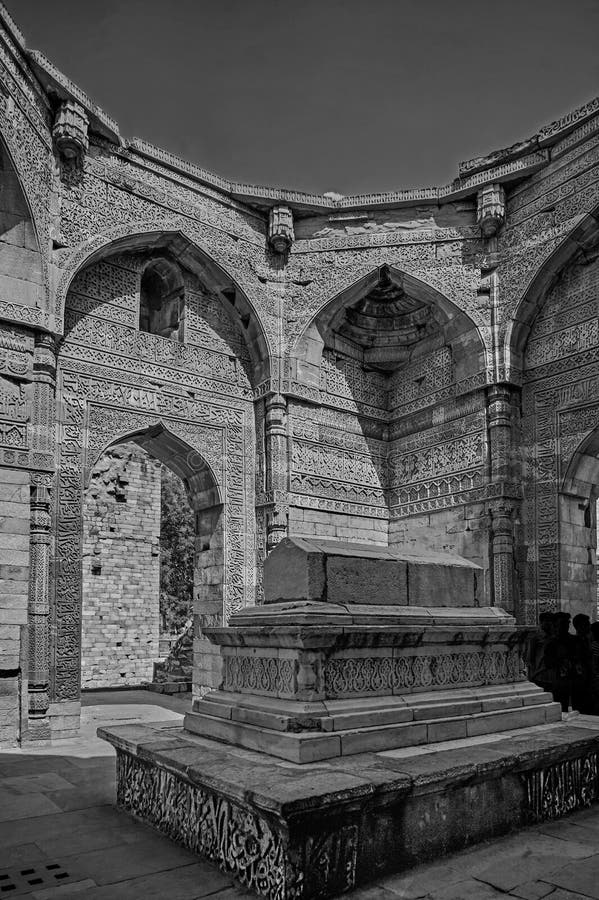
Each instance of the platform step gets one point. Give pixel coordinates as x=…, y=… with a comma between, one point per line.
x=432, y=725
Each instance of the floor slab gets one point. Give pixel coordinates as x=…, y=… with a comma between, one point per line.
x=82, y=835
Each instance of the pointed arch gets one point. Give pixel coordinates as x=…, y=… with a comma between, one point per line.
x=456, y=325
x=24, y=273
x=184, y=460
x=583, y=237
x=134, y=528
x=582, y=471
x=182, y=249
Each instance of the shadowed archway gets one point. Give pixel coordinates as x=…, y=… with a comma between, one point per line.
x=121, y=561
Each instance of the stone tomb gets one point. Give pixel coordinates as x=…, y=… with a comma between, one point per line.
x=308, y=773
x=362, y=648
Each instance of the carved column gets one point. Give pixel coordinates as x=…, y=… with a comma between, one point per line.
x=499, y=412
x=43, y=430
x=39, y=607
x=276, y=470
x=503, y=494
x=44, y=375
x=502, y=550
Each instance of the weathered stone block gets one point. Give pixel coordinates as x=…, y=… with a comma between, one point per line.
x=340, y=572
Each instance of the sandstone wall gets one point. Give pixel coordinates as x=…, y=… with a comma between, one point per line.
x=14, y=577
x=121, y=570
x=560, y=422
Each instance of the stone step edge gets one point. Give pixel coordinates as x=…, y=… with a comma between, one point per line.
x=314, y=746
x=386, y=714
x=290, y=704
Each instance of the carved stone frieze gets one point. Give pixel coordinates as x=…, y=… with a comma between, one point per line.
x=252, y=674
x=377, y=674
x=233, y=837
x=557, y=790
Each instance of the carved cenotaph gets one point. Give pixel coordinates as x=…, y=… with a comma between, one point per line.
x=371, y=716
x=359, y=648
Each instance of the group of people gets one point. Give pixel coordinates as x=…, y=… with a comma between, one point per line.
x=565, y=664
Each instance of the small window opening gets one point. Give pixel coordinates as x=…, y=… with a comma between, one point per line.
x=162, y=300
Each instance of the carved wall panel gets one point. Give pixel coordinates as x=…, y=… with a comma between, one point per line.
x=115, y=382
x=410, y=441
x=560, y=384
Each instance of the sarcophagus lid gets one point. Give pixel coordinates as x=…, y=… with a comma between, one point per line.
x=344, y=573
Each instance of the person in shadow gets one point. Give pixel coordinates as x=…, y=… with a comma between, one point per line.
x=560, y=654
x=595, y=668
x=538, y=672
x=582, y=699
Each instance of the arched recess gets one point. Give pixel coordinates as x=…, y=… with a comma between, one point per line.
x=115, y=380
x=22, y=267
x=577, y=510
x=162, y=299
x=205, y=494
x=374, y=380
x=180, y=248
x=416, y=298
x=554, y=341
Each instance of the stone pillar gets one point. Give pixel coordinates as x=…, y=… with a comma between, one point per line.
x=276, y=470
x=502, y=551
x=43, y=430
x=499, y=413
x=38, y=727
x=501, y=507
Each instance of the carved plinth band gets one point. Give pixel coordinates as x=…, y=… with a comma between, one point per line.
x=376, y=674
x=559, y=789
x=235, y=838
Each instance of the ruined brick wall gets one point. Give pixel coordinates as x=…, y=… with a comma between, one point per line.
x=121, y=569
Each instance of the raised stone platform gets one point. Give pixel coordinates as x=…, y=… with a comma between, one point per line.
x=318, y=829
x=302, y=773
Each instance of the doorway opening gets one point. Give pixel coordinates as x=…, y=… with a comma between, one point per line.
x=146, y=546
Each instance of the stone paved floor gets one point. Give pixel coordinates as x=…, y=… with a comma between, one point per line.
x=60, y=835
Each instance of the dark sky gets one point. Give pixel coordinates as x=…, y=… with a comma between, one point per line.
x=342, y=95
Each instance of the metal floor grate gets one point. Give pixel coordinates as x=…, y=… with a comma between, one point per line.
x=24, y=879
